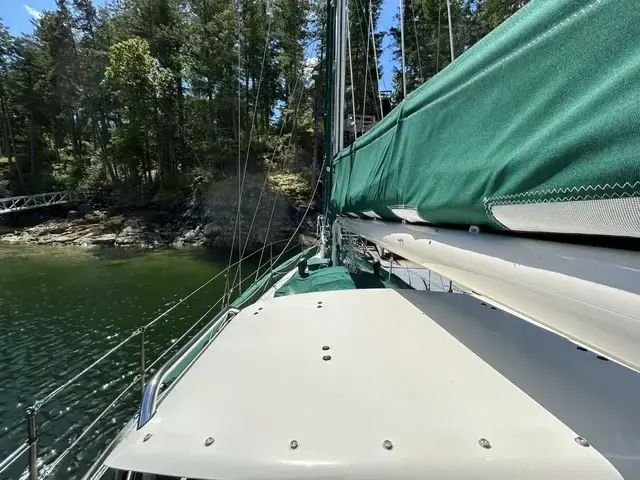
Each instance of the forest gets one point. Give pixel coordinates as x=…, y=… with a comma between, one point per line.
x=150, y=98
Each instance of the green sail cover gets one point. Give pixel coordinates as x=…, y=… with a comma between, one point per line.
x=535, y=128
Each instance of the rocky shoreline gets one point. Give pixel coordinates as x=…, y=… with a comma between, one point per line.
x=143, y=229
x=204, y=221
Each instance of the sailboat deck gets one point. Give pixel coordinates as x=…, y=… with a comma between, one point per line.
x=400, y=396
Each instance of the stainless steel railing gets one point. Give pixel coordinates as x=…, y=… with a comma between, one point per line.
x=152, y=390
x=150, y=393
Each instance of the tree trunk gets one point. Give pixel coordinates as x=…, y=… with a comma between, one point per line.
x=55, y=140
x=4, y=144
x=74, y=136
x=104, y=154
x=314, y=159
x=181, y=141
x=146, y=170
x=10, y=139
x=32, y=153
x=247, y=120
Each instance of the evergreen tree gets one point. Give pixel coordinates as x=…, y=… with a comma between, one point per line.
x=145, y=96
x=426, y=34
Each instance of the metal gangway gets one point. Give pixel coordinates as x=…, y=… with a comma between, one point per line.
x=41, y=200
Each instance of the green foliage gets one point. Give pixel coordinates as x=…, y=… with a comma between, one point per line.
x=134, y=73
x=157, y=99
x=426, y=34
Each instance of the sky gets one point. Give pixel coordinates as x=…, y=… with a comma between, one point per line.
x=17, y=15
x=389, y=9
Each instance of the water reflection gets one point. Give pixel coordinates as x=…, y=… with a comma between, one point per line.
x=60, y=309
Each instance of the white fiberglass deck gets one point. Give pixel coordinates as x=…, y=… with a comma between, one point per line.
x=394, y=375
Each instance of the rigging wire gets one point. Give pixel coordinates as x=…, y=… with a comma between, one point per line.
x=404, y=70
x=361, y=21
x=42, y=402
x=366, y=74
x=375, y=59
x=275, y=198
x=353, y=87
x=278, y=144
x=241, y=178
x=304, y=216
x=438, y=42
x=415, y=31
x=184, y=335
x=264, y=183
x=237, y=220
x=270, y=165
x=54, y=465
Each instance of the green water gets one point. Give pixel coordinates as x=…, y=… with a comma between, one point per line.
x=60, y=309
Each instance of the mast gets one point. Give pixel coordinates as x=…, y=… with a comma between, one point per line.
x=404, y=70
x=328, y=107
x=340, y=74
x=334, y=96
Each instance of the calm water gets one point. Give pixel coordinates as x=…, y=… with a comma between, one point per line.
x=60, y=309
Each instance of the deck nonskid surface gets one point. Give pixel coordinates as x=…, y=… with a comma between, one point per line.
x=393, y=374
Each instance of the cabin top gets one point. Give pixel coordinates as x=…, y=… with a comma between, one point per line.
x=349, y=384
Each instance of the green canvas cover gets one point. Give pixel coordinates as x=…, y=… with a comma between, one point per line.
x=536, y=128
x=255, y=291
x=322, y=280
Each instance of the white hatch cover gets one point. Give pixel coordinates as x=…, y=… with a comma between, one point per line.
x=399, y=397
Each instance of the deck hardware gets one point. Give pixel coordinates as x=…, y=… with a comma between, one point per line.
x=147, y=437
x=302, y=268
x=32, y=436
x=209, y=441
x=582, y=349
x=387, y=445
x=600, y=357
x=483, y=304
x=474, y=229
x=293, y=445
x=255, y=313
x=484, y=443
x=377, y=267
x=493, y=308
x=143, y=368
x=582, y=441
x=326, y=358
x=260, y=308
x=325, y=347
x=319, y=306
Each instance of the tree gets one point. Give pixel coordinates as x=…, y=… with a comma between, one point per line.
x=365, y=76
x=426, y=34
x=7, y=140
x=140, y=84
x=492, y=13
x=146, y=96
